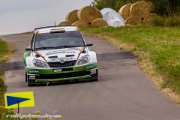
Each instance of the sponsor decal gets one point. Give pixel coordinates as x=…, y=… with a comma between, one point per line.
x=81, y=50
x=34, y=71
x=60, y=52
x=91, y=66
x=57, y=70
x=40, y=55
x=61, y=60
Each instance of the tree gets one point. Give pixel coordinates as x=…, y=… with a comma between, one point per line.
x=174, y=6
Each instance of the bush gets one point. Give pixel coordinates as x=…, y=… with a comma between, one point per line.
x=158, y=21
x=173, y=21
x=5, y=54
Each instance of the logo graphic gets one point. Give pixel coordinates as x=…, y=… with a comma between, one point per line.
x=61, y=60
x=25, y=99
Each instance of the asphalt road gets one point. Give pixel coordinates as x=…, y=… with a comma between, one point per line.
x=123, y=91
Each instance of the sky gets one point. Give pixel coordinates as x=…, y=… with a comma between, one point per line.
x=17, y=16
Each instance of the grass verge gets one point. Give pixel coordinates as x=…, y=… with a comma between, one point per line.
x=157, y=50
x=5, y=54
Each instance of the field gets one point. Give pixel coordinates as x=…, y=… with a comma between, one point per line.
x=157, y=50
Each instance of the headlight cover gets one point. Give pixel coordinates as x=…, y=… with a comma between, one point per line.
x=83, y=60
x=39, y=63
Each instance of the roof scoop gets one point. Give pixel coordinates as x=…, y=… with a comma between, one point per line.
x=57, y=30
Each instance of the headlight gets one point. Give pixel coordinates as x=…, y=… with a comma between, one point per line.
x=39, y=63
x=83, y=60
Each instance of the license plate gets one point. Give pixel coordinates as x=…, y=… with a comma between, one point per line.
x=57, y=70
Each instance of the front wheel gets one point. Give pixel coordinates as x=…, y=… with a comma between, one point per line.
x=95, y=77
x=26, y=77
x=29, y=83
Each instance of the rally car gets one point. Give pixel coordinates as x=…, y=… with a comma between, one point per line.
x=59, y=53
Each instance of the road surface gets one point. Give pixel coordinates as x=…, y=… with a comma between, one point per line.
x=123, y=91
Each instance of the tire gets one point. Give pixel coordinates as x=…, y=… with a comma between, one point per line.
x=95, y=78
x=30, y=83
x=26, y=77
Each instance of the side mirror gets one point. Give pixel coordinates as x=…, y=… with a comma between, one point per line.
x=90, y=44
x=28, y=49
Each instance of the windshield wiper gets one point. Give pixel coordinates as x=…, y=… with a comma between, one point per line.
x=42, y=48
x=56, y=47
x=66, y=46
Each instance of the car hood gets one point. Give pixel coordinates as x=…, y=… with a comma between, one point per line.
x=56, y=55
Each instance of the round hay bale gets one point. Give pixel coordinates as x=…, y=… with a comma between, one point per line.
x=99, y=22
x=89, y=14
x=81, y=24
x=140, y=9
x=133, y=20
x=151, y=6
x=72, y=17
x=64, y=23
x=128, y=25
x=150, y=18
x=125, y=11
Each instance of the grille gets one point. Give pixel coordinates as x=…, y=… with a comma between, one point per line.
x=59, y=65
x=63, y=75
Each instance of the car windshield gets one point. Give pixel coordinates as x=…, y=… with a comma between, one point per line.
x=58, y=40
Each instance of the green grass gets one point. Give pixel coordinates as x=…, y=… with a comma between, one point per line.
x=5, y=54
x=156, y=47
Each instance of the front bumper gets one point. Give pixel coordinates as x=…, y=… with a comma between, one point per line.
x=54, y=75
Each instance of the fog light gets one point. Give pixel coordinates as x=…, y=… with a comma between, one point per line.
x=32, y=77
x=93, y=71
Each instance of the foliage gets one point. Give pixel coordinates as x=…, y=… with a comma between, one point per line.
x=173, y=21
x=162, y=7
x=5, y=53
x=166, y=7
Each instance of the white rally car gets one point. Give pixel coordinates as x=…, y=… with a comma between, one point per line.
x=59, y=53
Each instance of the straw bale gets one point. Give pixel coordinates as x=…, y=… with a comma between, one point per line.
x=140, y=9
x=89, y=14
x=151, y=6
x=99, y=22
x=64, y=23
x=133, y=20
x=125, y=11
x=150, y=18
x=72, y=17
x=81, y=24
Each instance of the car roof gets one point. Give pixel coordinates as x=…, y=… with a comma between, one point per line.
x=49, y=29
